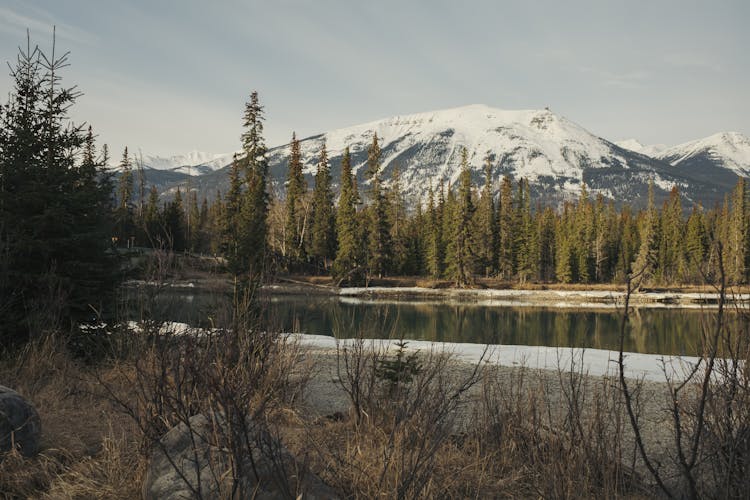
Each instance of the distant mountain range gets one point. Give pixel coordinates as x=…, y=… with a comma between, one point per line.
x=556, y=155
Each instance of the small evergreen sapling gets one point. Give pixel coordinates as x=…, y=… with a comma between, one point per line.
x=401, y=369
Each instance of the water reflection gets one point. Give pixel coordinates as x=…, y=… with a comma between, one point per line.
x=664, y=331
x=661, y=331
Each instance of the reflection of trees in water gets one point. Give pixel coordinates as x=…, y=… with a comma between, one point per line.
x=666, y=331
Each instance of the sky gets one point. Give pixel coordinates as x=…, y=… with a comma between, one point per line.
x=167, y=77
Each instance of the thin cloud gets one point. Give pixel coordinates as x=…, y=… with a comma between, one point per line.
x=624, y=80
x=15, y=24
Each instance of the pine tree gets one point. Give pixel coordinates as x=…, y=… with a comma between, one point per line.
x=231, y=215
x=323, y=246
x=193, y=223
x=55, y=213
x=348, y=255
x=506, y=231
x=174, y=223
x=296, y=187
x=647, y=260
x=565, y=263
x=738, y=235
x=435, y=251
x=696, y=245
x=247, y=262
x=379, y=249
x=397, y=221
x=546, y=231
x=459, y=256
x=583, y=242
x=671, y=255
x=525, y=243
x=485, y=235
x=152, y=219
x=124, y=213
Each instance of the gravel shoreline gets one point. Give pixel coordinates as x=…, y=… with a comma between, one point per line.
x=325, y=397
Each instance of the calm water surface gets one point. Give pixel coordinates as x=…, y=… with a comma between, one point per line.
x=651, y=330
x=662, y=331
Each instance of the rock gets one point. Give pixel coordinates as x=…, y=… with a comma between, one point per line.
x=20, y=426
x=190, y=457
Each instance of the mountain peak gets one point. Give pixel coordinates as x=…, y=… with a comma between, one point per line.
x=728, y=149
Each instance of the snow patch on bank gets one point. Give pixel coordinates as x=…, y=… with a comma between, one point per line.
x=595, y=362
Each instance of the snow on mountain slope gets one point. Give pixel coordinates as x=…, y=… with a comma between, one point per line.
x=718, y=159
x=556, y=155
x=729, y=149
x=634, y=145
x=193, y=163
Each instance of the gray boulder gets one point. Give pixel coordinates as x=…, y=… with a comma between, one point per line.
x=190, y=461
x=20, y=426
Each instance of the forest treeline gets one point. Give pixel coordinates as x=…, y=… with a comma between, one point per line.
x=66, y=223
x=461, y=232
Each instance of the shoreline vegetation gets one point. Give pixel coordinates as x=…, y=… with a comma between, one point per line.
x=485, y=292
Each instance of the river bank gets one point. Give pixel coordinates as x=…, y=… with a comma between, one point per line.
x=554, y=297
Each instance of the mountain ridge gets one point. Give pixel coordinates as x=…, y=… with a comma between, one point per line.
x=556, y=155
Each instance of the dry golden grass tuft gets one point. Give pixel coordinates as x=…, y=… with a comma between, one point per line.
x=88, y=449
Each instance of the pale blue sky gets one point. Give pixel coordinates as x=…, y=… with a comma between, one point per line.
x=172, y=76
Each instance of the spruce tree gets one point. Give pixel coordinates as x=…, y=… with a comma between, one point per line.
x=296, y=187
x=152, y=219
x=434, y=236
x=459, y=256
x=323, y=246
x=485, y=234
x=397, y=221
x=671, y=256
x=347, y=266
x=696, y=244
x=526, y=243
x=248, y=260
x=645, y=265
x=506, y=231
x=379, y=249
x=124, y=217
x=55, y=212
x=546, y=231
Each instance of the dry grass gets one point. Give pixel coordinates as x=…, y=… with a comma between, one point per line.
x=88, y=449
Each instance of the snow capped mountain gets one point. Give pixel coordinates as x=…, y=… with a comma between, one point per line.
x=730, y=149
x=556, y=155
x=634, y=145
x=719, y=158
x=192, y=163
